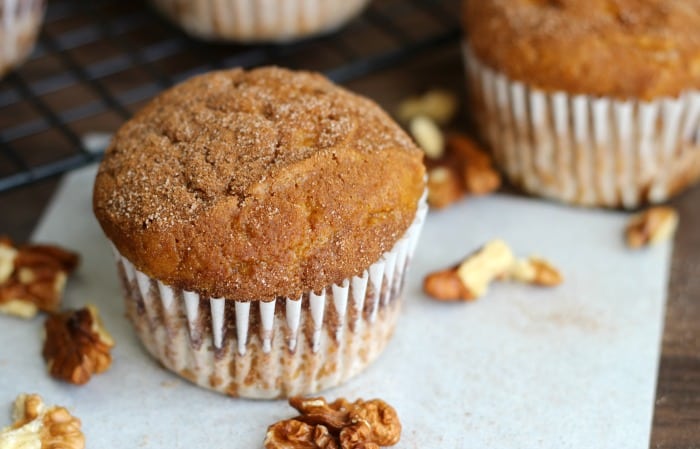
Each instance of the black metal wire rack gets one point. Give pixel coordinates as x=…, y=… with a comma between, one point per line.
x=97, y=61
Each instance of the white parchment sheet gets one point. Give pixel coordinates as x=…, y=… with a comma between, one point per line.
x=523, y=367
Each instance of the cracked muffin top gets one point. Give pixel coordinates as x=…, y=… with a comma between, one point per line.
x=621, y=48
x=252, y=185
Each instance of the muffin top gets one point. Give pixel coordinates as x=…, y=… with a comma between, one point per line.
x=621, y=48
x=251, y=185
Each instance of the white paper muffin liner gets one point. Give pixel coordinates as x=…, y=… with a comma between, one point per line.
x=259, y=20
x=285, y=347
x=586, y=150
x=19, y=25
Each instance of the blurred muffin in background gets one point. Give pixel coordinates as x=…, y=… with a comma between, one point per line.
x=589, y=102
x=19, y=26
x=259, y=20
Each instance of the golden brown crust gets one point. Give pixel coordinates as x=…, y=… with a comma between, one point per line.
x=621, y=48
x=255, y=185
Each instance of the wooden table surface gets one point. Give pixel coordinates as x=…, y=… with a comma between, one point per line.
x=677, y=408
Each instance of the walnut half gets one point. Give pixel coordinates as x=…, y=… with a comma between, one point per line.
x=38, y=426
x=338, y=425
x=77, y=345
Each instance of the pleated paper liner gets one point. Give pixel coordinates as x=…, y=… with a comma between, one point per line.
x=285, y=347
x=585, y=150
x=259, y=20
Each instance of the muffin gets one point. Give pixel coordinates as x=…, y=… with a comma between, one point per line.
x=589, y=102
x=19, y=25
x=262, y=223
x=259, y=20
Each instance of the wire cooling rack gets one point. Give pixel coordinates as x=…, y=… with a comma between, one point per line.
x=98, y=61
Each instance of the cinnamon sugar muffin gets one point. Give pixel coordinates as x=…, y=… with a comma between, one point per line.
x=259, y=20
x=262, y=223
x=19, y=26
x=591, y=102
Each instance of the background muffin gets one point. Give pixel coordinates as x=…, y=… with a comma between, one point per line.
x=588, y=101
x=259, y=20
x=19, y=26
x=263, y=221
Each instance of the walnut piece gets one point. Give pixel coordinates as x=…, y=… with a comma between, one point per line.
x=478, y=270
x=494, y=261
x=294, y=434
x=77, y=345
x=478, y=173
x=445, y=285
x=317, y=411
x=357, y=436
x=428, y=136
x=437, y=104
x=338, y=425
x=537, y=271
x=444, y=187
x=462, y=169
x=39, y=426
x=32, y=277
x=383, y=422
x=324, y=439
x=8, y=254
x=652, y=226
x=471, y=278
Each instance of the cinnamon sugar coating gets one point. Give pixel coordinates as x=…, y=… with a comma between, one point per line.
x=259, y=184
x=621, y=48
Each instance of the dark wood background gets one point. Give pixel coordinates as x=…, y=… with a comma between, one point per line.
x=677, y=409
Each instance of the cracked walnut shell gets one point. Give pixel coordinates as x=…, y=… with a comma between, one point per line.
x=77, y=345
x=39, y=426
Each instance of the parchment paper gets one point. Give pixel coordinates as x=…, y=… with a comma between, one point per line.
x=522, y=367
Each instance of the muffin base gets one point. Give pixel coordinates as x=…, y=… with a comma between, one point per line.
x=585, y=150
x=258, y=20
x=20, y=21
x=281, y=348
